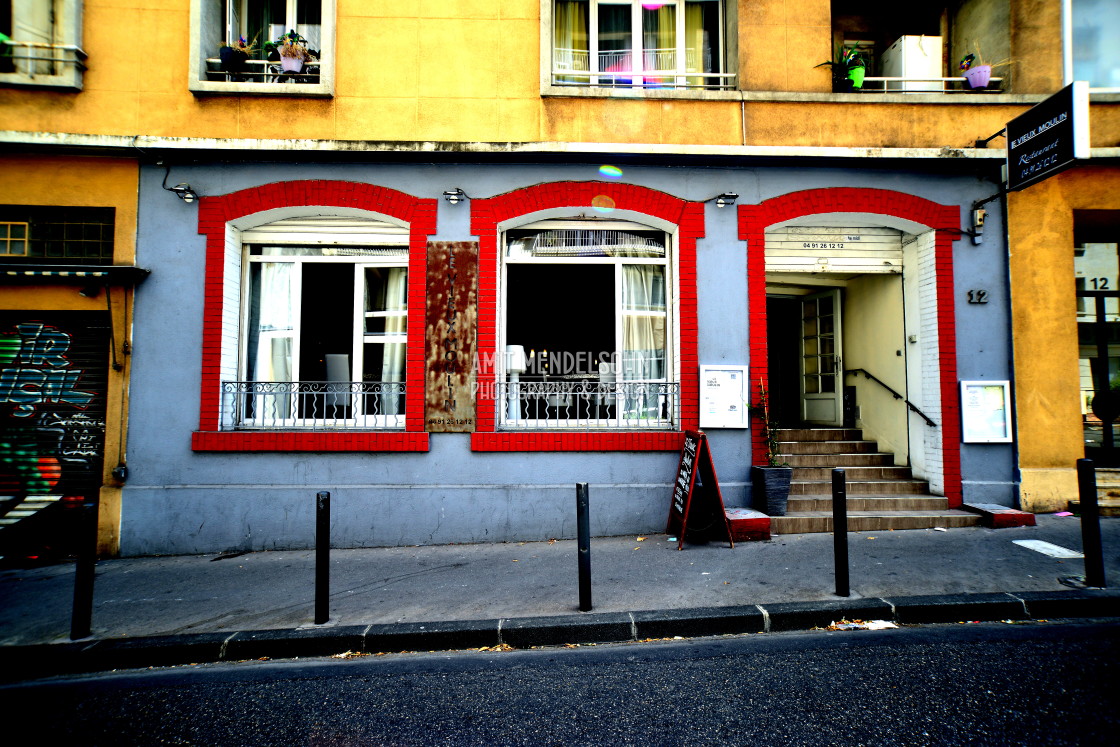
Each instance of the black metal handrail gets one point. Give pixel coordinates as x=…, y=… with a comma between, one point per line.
x=909, y=404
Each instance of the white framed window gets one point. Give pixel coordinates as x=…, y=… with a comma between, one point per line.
x=678, y=44
x=323, y=327
x=1091, y=51
x=588, y=325
x=41, y=43
x=261, y=23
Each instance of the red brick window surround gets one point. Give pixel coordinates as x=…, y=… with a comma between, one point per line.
x=630, y=202
x=308, y=198
x=944, y=220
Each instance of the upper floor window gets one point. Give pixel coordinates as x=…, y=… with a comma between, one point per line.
x=1095, y=53
x=263, y=46
x=41, y=43
x=634, y=44
x=918, y=47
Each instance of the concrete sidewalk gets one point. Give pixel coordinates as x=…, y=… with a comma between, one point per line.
x=172, y=610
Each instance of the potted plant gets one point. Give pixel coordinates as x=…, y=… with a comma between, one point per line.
x=235, y=54
x=770, y=482
x=977, y=72
x=293, y=52
x=848, y=69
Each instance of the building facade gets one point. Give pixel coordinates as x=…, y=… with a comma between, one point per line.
x=469, y=254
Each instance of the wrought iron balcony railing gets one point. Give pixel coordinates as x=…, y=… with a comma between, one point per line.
x=588, y=405
x=659, y=69
x=262, y=71
x=313, y=405
x=41, y=64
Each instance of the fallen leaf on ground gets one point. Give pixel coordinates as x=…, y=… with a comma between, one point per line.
x=641, y=539
x=861, y=625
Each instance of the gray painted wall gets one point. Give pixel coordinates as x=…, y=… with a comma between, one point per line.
x=178, y=501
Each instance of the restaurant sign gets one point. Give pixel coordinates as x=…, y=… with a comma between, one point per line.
x=1049, y=138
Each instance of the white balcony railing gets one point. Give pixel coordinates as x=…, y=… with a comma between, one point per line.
x=926, y=85
x=588, y=405
x=312, y=405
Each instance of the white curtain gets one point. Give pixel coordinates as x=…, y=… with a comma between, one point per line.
x=569, y=39
x=643, y=322
x=643, y=337
x=659, y=31
x=392, y=364
x=273, y=329
x=697, y=52
x=33, y=21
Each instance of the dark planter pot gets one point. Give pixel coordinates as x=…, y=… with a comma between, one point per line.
x=770, y=489
x=233, y=60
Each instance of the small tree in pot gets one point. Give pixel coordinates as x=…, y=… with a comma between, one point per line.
x=770, y=482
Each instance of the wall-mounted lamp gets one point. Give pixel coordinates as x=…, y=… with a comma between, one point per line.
x=182, y=191
x=455, y=196
x=725, y=199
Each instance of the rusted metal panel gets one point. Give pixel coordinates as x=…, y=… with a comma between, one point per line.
x=449, y=398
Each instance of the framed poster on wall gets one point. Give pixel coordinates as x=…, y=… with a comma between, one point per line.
x=723, y=397
x=986, y=412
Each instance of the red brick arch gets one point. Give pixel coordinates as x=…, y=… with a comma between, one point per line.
x=943, y=219
x=487, y=214
x=214, y=213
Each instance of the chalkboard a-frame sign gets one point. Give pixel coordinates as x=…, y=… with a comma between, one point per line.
x=699, y=497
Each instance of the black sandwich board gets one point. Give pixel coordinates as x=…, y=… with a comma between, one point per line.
x=692, y=495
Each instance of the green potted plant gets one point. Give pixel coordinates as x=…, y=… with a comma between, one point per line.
x=769, y=482
x=848, y=69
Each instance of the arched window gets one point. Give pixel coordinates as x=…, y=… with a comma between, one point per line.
x=588, y=327
x=324, y=319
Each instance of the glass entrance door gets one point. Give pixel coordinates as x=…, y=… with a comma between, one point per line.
x=1098, y=337
x=821, y=368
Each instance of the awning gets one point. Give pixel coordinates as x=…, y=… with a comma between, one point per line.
x=121, y=275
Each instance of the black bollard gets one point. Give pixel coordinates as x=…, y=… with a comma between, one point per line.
x=81, y=617
x=1090, y=523
x=840, y=531
x=322, y=557
x=583, y=534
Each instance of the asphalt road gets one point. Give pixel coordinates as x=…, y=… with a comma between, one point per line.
x=984, y=684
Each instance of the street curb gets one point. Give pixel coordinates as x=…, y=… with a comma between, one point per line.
x=99, y=655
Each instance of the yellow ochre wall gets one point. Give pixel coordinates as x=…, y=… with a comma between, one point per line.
x=1044, y=328
x=84, y=182
x=470, y=71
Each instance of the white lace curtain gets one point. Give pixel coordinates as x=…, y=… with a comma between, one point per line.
x=643, y=322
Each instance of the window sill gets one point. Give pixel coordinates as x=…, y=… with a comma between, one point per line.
x=316, y=90
x=68, y=81
x=302, y=441
x=578, y=441
x=914, y=97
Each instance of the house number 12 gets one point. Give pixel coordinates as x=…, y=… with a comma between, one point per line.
x=978, y=296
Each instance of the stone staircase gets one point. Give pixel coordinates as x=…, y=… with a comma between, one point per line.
x=881, y=496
